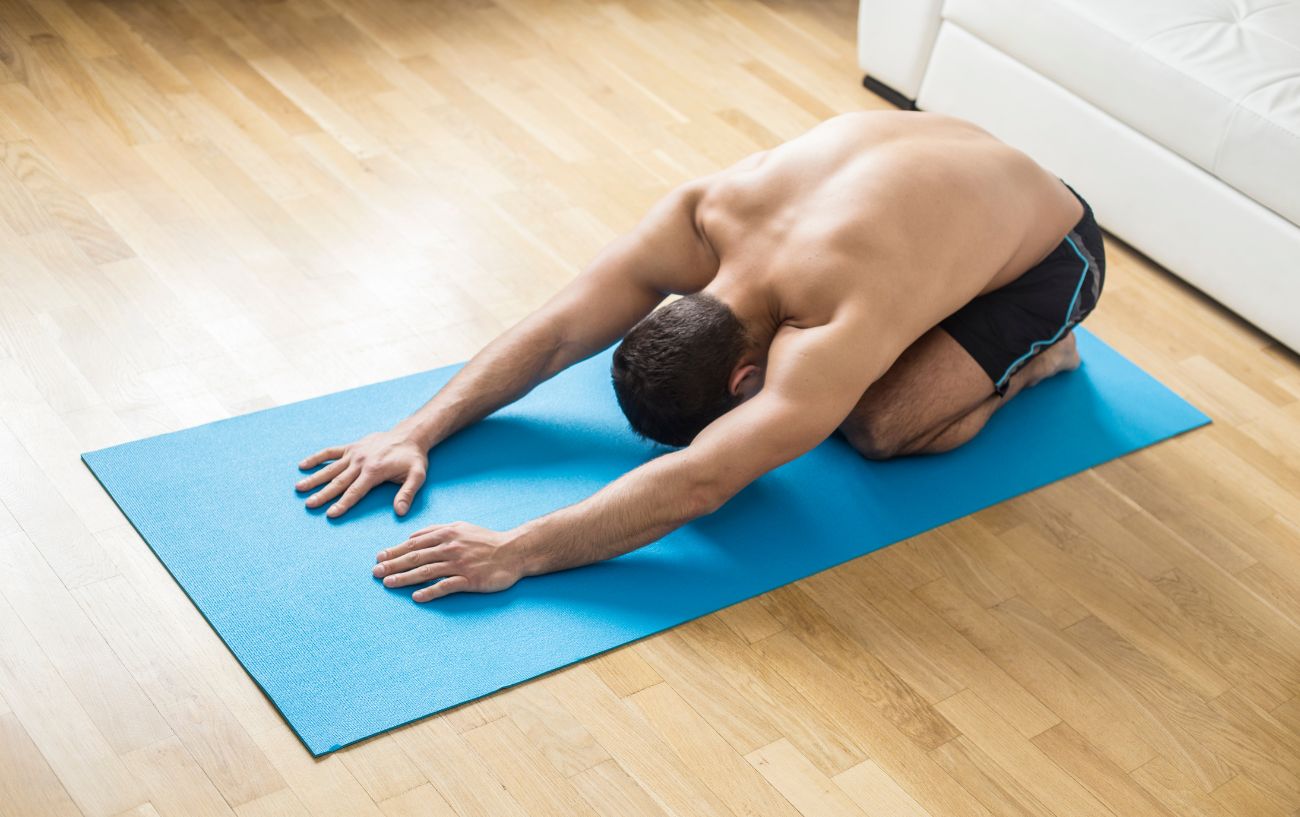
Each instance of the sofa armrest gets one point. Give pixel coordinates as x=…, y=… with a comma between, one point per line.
x=894, y=40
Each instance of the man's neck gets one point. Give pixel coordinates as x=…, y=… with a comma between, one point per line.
x=755, y=309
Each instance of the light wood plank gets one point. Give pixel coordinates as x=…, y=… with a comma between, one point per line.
x=524, y=771
x=91, y=772
x=1019, y=757
x=176, y=785
x=876, y=793
x=422, y=801
x=1051, y=682
x=610, y=790
x=108, y=693
x=893, y=750
x=206, y=728
x=709, y=756
x=799, y=781
x=381, y=767
x=28, y=785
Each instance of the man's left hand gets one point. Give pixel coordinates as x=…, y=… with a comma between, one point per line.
x=463, y=558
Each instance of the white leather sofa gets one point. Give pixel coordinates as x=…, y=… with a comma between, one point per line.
x=1178, y=120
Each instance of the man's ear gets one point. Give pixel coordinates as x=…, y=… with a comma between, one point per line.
x=745, y=381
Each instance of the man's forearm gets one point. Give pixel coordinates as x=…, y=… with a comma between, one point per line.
x=640, y=507
x=502, y=372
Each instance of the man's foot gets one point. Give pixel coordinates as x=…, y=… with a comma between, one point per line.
x=1062, y=356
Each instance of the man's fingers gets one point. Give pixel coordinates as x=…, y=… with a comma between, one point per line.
x=321, y=456
x=402, y=502
x=441, y=526
x=322, y=476
x=353, y=495
x=408, y=561
x=425, y=538
x=451, y=584
x=337, y=486
x=419, y=575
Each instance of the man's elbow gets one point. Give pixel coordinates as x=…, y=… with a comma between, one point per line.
x=708, y=494
x=703, y=501
x=714, y=480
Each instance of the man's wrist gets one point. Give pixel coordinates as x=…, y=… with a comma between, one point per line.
x=522, y=547
x=421, y=432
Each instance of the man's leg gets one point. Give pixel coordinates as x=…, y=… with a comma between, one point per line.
x=936, y=397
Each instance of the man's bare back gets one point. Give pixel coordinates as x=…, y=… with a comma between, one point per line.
x=911, y=214
x=893, y=277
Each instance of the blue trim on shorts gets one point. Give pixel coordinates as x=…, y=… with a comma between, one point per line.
x=1034, y=347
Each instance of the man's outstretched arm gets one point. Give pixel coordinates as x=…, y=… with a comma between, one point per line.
x=664, y=254
x=810, y=387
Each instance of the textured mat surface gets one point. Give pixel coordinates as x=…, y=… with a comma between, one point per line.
x=344, y=658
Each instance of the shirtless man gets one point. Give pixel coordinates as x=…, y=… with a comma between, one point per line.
x=894, y=276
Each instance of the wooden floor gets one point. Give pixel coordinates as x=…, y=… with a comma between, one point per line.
x=213, y=206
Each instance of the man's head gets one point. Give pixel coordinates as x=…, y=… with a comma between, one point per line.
x=683, y=366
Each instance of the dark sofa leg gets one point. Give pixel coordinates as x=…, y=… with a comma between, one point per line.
x=888, y=94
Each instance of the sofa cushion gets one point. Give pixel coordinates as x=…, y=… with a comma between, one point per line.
x=1215, y=81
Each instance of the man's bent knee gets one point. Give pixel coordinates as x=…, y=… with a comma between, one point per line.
x=870, y=440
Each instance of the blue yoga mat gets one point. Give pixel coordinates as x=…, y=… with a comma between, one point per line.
x=344, y=658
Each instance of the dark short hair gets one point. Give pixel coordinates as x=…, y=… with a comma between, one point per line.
x=671, y=371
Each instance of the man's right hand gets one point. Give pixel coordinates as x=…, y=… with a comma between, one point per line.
x=386, y=456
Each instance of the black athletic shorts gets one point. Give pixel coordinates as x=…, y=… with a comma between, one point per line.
x=1004, y=329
